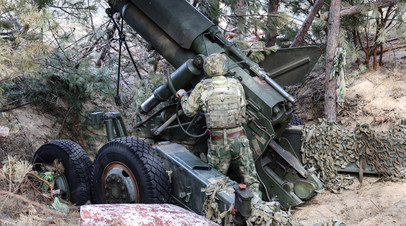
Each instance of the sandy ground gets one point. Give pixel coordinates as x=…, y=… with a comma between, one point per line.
x=372, y=203
x=377, y=98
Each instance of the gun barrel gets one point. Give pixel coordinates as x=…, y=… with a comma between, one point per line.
x=169, y=26
x=152, y=33
x=180, y=79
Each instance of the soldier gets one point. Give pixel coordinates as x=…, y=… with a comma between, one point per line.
x=223, y=101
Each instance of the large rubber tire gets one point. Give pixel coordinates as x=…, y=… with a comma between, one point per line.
x=127, y=170
x=77, y=167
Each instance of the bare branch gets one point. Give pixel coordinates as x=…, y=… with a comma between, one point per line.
x=14, y=107
x=367, y=6
x=306, y=25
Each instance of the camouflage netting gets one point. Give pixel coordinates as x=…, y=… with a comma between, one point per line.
x=327, y=147
x=263, y=213
x=268, y=213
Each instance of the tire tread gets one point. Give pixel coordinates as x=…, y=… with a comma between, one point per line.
x=81, y=164
x=158, y=185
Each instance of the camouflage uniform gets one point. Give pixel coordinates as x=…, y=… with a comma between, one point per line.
x=224, y=116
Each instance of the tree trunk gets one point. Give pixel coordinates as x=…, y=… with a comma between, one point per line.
x=367, y=6
x=367, y=57
x=367, y=52
x=106, y=48
x=332, y=43
x=306, y=25
x=273, y=7
x=354, y=36
x=375, y=58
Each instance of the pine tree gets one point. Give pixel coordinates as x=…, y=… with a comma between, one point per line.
x=49, y=64
x=21, y=45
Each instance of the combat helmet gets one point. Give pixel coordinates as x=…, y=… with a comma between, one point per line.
x=215, y=65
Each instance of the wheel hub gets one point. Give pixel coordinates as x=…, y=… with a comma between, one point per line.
x=116, y=190
x=120, y=185
x=61, y=183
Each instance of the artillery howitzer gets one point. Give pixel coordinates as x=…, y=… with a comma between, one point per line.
x=128, y=170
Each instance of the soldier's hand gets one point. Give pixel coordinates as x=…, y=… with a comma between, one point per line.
x=180, y=93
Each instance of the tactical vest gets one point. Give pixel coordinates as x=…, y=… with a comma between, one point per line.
x=222, y=104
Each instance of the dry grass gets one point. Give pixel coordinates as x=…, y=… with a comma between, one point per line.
x=21, y=204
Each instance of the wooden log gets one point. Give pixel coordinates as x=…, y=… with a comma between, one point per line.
x=392, y=47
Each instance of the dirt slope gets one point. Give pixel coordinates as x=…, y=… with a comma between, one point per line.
x=379, y=99
x=374, y=97
x=373, y=203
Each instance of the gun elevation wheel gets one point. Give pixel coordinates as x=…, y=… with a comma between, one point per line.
x=127, y=170
x=73, y=181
